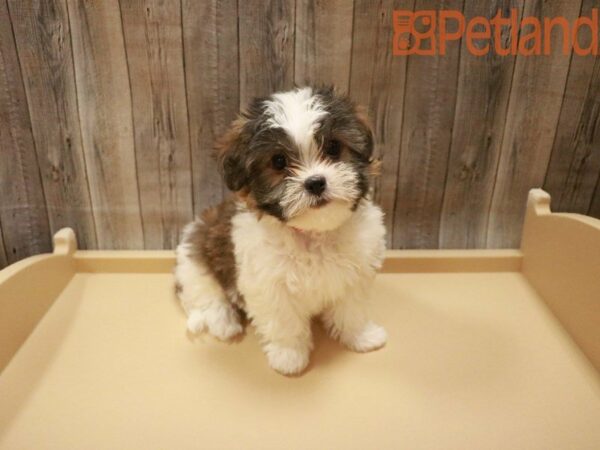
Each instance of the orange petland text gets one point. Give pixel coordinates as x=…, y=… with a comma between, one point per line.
x=429, y=32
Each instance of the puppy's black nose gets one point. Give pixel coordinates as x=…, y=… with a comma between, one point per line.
x=315, y=184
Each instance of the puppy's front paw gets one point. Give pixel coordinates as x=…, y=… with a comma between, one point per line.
x=371, y=337
x=221, y=321
x=287, y=360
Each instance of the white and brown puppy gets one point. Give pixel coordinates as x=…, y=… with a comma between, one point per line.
x=302, y=237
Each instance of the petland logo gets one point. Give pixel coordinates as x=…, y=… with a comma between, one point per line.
x=429, y=32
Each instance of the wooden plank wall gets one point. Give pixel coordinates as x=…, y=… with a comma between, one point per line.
x=109, y=110
x=23, y=211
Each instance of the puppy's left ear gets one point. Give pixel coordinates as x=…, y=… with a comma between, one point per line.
x=229, y=151
x=367, y=129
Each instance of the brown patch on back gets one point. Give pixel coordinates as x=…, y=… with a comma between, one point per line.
x=210, y=243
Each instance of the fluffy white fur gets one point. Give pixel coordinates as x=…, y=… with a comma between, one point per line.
x=287, y=277
x=326, y=218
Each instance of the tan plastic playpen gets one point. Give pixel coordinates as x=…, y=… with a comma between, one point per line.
x=487, y=349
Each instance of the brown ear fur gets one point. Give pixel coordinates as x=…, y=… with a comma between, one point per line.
x=228, y=150
x=375, y=167
x=363, y=118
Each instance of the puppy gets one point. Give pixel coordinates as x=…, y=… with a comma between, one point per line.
x=302, y=237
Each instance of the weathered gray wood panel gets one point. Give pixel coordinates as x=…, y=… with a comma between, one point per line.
x=533, y=111
x=109, y=112
x=210, y=41
x=154, y=46
x=323, y=42
x=22, y=204
x=575, y=163
x=429, y=105
x=106, y=122
x=483, y=90
x=377, y=82
x=266, y=47
x=573, y=172
x=43, y=40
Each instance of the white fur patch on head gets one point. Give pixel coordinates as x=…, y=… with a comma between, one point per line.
x=298, y=113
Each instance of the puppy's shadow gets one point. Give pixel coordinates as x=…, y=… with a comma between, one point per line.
x=327, y=351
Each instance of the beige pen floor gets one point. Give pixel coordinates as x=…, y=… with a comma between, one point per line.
x=474, y=360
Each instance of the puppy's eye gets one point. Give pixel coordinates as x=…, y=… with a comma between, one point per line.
x=279, y=161
x=333, y=149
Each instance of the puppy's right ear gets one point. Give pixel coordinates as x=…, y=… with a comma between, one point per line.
x=229, y=154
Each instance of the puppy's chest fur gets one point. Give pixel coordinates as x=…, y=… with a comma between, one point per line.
x=313, y=269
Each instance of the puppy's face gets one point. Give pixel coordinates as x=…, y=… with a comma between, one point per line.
x=302, y=156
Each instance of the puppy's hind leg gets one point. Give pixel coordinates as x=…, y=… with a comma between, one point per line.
x=203, y=299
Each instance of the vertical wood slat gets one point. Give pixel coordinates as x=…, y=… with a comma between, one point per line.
x=266, y=47
x=3, y=259
x=43, y=41
x=23, y=212
x=210, y=41
x=575, y=162
x=154, y=48
x=533, y=112
x=106, y=121
x=377, y=82
x=595, y=205
x=482, y=99
x=429, y=106
x=323, y=43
